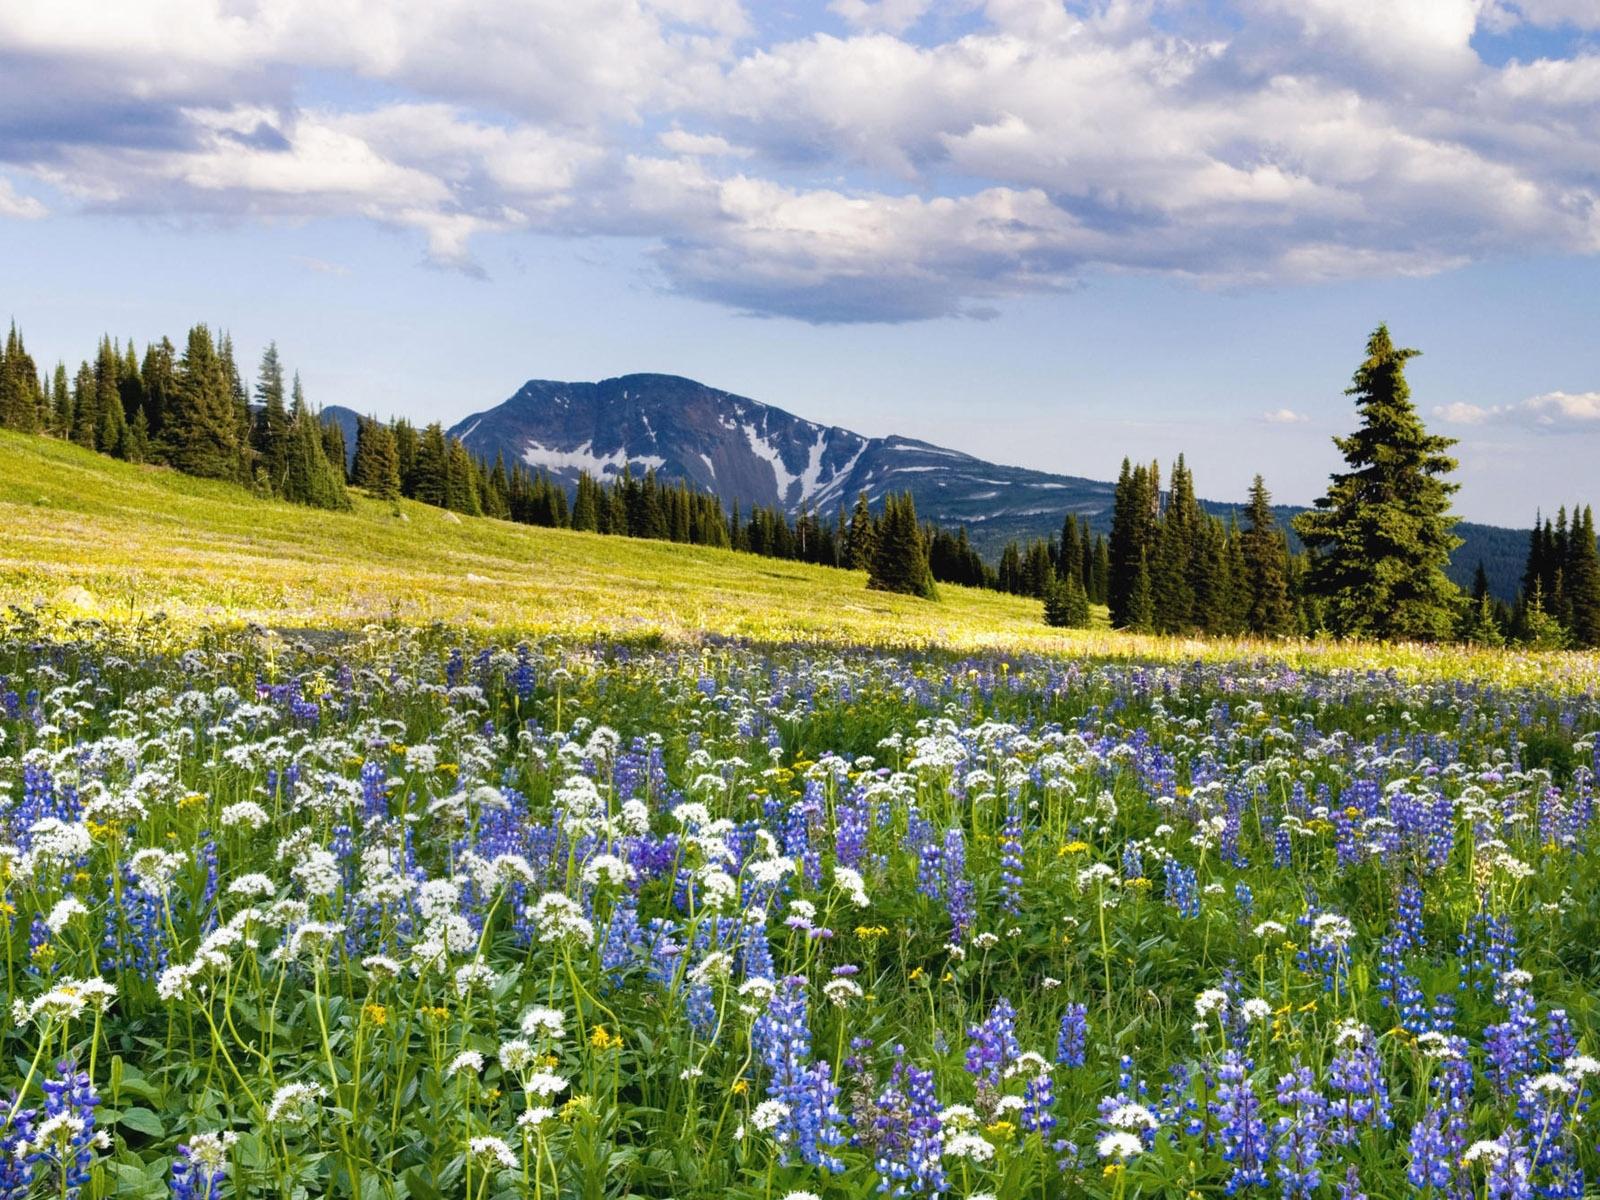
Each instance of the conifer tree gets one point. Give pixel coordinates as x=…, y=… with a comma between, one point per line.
x=200, y=435
x=1174, y=556
x=1381, y=537
x=1582, y=579
x=1141, y=607
x=586, y=506
x=427, y=480
x=377, y=465
x=157, y=376
x=309, y=478
x=270, y=435
x=1066, y=605
x=1261, y=546
x=19, y=386
x=1135, y=523
x=900, y=558
x=862, y=537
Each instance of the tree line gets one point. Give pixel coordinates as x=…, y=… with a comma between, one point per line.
x=189, y=410
x=1376, y=546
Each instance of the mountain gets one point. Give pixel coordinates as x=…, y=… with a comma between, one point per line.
x=752, y=453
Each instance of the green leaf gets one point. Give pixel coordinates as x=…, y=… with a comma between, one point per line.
x=421, y=1185
x=141, y=1120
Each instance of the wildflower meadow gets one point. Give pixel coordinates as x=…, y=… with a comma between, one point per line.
x=412, y=913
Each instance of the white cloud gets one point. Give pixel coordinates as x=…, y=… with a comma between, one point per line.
x=1284, y=416
x=1552, y=411
x=1580, y=14
x=893, y=16
x=863, y=177
x=17, y=206
x=697, y=145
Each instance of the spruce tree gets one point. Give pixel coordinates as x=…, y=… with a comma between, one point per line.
x=1066, y=605
x=309, y=478
x=377, y=465
x=1583, y=581
x=1381, y=537
x=862, y=536
x=270, y=435
x=900, y=558
x=1261, y=546
x=200, y=433
x=1141, y=607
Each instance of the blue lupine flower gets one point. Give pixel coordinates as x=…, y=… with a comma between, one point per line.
x=1073, y=1038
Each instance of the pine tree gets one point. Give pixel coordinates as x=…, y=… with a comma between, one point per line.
x=426, y=481
x=900, y=558
x=200, y=435
x=1066, y=605
x=1381, y=537
x=862, y=536
x=239, y=404
x=1173, y=556
x=1261, y=545
x=270, y=434
x=309, y=478
x=1583, y=581
x=158, y=378
x=20, y=400
x=1135, y=524
x=377, y=464
x=1141, y=607
x=1480, y=622
x=586, y=505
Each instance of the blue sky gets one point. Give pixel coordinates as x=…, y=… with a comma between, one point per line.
x=1046, y=234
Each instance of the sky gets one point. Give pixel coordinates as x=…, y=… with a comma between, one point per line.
x=1049, y=234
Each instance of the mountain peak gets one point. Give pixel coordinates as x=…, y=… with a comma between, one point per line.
x=753, y=453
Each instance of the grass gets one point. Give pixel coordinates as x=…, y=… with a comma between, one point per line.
x=89, y=537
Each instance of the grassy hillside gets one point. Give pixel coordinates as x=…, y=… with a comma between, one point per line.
x=120, y=541
x=91, y=537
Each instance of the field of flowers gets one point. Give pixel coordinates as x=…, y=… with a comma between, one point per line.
x=401, y=914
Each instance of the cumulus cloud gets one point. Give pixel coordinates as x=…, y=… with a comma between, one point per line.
x=894, y=16
x=17, y=206
x=865, y=177
x=1284, y=416
x=1552, y=411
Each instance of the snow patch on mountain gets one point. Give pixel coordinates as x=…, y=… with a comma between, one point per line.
x=584, y=458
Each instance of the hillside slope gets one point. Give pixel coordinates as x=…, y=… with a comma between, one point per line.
x=90, y=537
x=119, y=541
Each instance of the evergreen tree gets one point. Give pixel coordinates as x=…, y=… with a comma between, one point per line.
x=1480, y=622
x=427, y=479
x=20, y=400
x=200, y=435
x=1141, y=606
x=862, y=537
x=158, y=380
x=1266, y=582
x=1381, y=537
x=1174, y=556
x=270, y=434
x=586, y=505
x=1066, y=605
x=377, y=465
x=900, y=558
x=1582, y=579
x=309, y=478
x=1135, y=524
